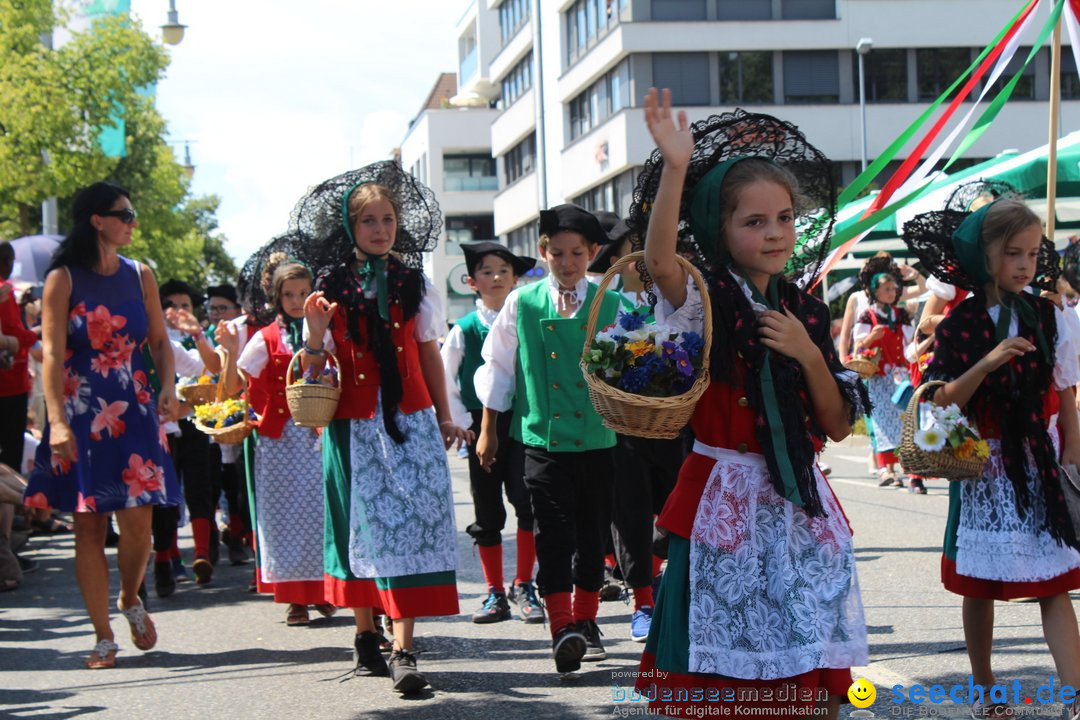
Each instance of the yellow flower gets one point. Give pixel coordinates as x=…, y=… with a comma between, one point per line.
x=982, y=450
x=639, y=348
x=203, y=380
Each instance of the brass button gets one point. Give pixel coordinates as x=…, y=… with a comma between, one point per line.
x=584, y=327
x=581, y=384
x=280, y=377
x=554, y=356
x=359, y=354
x=554, y=386
x=578, y=414
x=743, y=402
x=742, y=447
x=281, y=411
x=557, y=416
x=400, y=348
x=362, y=376
x=551, y=328
x=554, y=443
x=579, y=443
x=396, y=326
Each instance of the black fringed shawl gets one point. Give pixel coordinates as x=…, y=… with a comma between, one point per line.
x=735, y=333
x=1011, y=398
x=365, y=328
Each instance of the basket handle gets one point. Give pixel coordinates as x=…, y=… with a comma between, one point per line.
x=916, y=398
x=296, y=358
x=630, y=258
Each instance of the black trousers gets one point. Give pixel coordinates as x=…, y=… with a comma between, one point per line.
x=12, y=428
x=507, y=473
x=571, y=494
x=192, y=455
x=645, y=473
x=235, y=489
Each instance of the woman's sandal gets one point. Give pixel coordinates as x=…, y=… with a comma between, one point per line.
x=103, y=656
x=983, y=710
x=297, y=615
x=326, y=610
x=886, y=477
x=143, y=632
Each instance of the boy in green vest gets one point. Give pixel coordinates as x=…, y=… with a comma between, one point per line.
x=493, y=271
x=531, y=360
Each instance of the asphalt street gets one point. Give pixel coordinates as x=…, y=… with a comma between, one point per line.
x=226, y=653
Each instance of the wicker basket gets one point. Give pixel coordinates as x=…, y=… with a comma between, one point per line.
x=311, y=405
x=941, y=463
x=232, y=434
x=866, y=367
x=638, y=415
x=196, y=394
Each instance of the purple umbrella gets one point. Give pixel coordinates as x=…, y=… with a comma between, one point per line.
x=33, y=254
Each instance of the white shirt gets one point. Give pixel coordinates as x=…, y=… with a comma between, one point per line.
x=453, y=352
x=943, y=290
x=430, y=318
x=495, y=380
x=861, y=330
x=188, y=364
x=255, y=357
x=1066, y=365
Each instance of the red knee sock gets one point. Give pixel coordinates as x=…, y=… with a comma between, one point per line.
x=162, y=556
x=236, y=527
x=558, y=610
x=491, y=561
x=526, y=556
x=200, y=531
x=609, y=560
x=586, y=604
x=657, y=564
x=643, y=597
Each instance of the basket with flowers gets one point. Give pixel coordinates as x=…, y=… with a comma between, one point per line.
x=866, y=362
x=645, y=379
x=202, y=390
x=938, y=441
x=227, y=421
x=313, y=399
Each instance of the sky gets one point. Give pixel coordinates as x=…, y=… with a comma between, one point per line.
x=277, y=96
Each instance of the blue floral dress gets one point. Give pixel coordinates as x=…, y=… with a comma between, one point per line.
x=123, y=458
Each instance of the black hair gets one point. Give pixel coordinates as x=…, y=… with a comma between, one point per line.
x=80, y=247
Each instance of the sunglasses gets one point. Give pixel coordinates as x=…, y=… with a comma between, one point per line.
x=126, y=216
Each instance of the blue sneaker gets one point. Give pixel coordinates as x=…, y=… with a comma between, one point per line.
x=179, y=571
x=495, y=608
x=640, y=622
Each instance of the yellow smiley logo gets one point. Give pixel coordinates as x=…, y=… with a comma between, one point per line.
x=862, y=693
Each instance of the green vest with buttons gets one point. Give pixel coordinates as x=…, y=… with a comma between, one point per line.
x=474, y=332
x=551, y=403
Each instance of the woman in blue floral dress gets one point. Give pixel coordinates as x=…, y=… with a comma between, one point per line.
x=103, y=450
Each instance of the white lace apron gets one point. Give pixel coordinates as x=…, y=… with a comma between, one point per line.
x=773, y=592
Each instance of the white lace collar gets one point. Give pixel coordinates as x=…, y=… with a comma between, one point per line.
x=573, y=298
x=744, y=285
x=487, y=315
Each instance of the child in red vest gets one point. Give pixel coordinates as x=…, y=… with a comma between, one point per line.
x=493, y=273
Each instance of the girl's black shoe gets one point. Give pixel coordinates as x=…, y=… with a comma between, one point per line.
x=369, y=661
x=407, y=679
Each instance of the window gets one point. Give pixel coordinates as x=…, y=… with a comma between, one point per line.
x=746, y=77
x=808, y=9
x=465, y=173
x=811, y=76
x=678, y=9
x=520, y=159
x=589, y=20
x=1070, y=79
x=518, y=81
x=937, y=68
x=744, y=10
x=468, y=55
x=513, y=14
x=468, y=228
x=601, y=100
x=1025, y=86
x=523, y=240
x=687, y=74
x=615, y=195
x=886, y=75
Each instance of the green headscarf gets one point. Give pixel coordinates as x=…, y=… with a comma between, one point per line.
x=374, y=268
x=967, y=243
x=706, y=219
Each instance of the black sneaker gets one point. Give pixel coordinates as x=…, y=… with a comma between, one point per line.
x=237, y=553
x=524, y=596
x=594, y=650
x=26, y=564
x=612, y=589
x=407, y=679
x=917, y=486
x=495, y=608
x=164, y=582
x=568, y=647
x=369, y=661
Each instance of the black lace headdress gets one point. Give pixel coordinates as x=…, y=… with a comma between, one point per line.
x=964, y=196
x=1070, y=266
x=253, y=285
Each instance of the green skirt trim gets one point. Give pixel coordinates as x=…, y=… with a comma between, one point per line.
x=669, y=636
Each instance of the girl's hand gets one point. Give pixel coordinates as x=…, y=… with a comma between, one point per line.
x=671, y=135
x=62, y=442
x=227, y=337
x=455, y=434
x=1003, y=353
x=486, y=447
x=183, y=321
x=168, y=405
x=785, y=333
x=318, y=311
x=1070, y=455
x=875, y=335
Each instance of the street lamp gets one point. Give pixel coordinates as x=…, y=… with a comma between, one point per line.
x=172, y=32
x=862, y=48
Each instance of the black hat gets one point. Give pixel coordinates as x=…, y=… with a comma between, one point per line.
x=226, y=291
x=575, y=219
x=179, y=287
x=616, y=233
x=607, y=219
x=475, y=251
